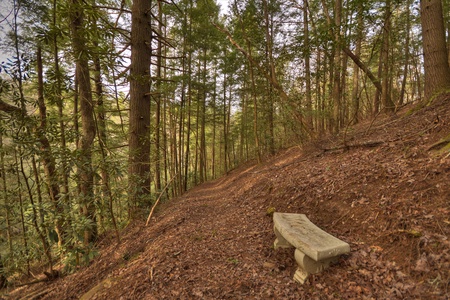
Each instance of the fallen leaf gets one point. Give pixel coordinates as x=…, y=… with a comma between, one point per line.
x=422, y=264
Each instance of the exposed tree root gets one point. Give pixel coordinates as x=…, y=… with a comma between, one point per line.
x=441, y=144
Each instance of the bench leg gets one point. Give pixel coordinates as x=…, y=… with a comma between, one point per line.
x=300, y=275
x=280, y=241
x=307, y=265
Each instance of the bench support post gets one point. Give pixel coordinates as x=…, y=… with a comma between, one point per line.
x=307, y=266
x=280, y=241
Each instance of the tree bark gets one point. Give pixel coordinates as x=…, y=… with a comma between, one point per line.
x=309, y=120
x=59, y=102
x=268, y=27
x=386, y=101
x=437, y=70
x=5, y=197
x=23, y=226
x=355, y=88
x=158, y=99
x=407, y=55
x=336, y=92
x=47, y=155
x=139, y=131
x=85, y=171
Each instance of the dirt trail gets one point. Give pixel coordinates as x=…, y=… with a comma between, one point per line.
x=381, y=191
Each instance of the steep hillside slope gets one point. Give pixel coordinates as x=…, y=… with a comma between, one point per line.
x=382, y=190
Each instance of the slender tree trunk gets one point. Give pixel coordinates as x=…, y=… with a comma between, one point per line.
x=180, y=147
x=188, y=125
x=166, y=163
x=85, y=171
x=213, y=150
x=47, y=156
x=39, y=193
x=321, y=93
x=343, y=115
x=102, y=140
x=139, y=131
x=243, y=133
x=158, y=97
x=203, y=151
x=26, y=249
x=407, y=54
x=45, y=244
x=386, y=101
x=197, y=170
x=5, y=196
x=378, y=92
x=230, y=137
x=59, y=102
x=189, y=102
x=225, y=133
x=336, y=93
x=355, y=86
x=76, y=124
x=40, y=215
x=19, y=76
x=271, y=71
x=307, y=53
x=255, y=105
x=181, y=172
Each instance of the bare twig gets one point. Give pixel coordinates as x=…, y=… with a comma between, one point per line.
x=159, y=198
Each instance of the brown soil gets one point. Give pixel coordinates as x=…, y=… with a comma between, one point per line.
x=382, y=191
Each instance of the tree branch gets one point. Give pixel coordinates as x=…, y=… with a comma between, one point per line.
x=8, y=108
x=272, y=79
x=363, y=67
x=349, y=53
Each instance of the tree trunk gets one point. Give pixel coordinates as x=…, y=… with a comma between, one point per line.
x=203, y=151
x=213, y=143
x=386, y=101
x=336, y=93
x=85, y=171
x=437, y=70
x=139, y=131
x=45, y=244
x=47, y=155
x=158, y=97
x=59, y=102
x=307, y=53
x=378, y=92
x=271, y=72
x=189, y=102
x=5, y=196
x=26, y=249
x=255, y=107
x=102, y=140
x=225, y=133
x=355, y=86
x=406, y=63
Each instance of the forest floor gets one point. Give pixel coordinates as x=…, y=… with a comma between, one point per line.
x=385, y=191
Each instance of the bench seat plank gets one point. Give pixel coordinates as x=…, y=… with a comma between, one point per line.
x=301, y=233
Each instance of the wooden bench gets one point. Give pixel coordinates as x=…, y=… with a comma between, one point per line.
x=315, y=249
